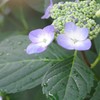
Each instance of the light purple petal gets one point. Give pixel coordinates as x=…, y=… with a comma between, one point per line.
x=49, y=28
x=83, y=45
x=51, y=2
x=65, y=42
x=81, y=33
x=47, y=11
x=50, y=32
x=35, y=48
x=75, y=32
x=35, y=34
x=39, y=35
x=70, y=29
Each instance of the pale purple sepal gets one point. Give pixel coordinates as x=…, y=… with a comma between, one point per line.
x=50, y=30
x=65, y=42
x=35, y=34
x=83, y=45
x=35, y=48
x=75, y=32
x=47, y=11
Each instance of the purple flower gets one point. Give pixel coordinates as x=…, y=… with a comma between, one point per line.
x=74, y=38
x=47, y=11
x=40, y=39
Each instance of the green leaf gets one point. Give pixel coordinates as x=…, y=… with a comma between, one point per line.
x=96, y=95
x=20, y=71
x=68, y=80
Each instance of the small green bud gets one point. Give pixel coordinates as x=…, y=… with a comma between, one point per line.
x=98, y=13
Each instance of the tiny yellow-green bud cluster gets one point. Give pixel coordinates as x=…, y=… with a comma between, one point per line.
x=82, y=13
x=98, y=13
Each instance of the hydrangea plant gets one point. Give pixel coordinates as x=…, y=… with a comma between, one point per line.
x=62, y=55
x=74, y=28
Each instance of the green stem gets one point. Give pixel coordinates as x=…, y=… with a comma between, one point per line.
x=95, y=62
x=75, y=53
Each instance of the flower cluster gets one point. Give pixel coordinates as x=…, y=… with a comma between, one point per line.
x=73, y=27
x=73, y=38
x=82, y=13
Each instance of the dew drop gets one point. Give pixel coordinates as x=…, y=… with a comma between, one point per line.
x=19, y=43
x=7, y=54
x=8, y=40
x=48, y=80
x=45, y=85
x=51, y=96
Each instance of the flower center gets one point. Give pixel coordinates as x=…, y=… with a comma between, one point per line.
x=44, y=40
x=74, y=40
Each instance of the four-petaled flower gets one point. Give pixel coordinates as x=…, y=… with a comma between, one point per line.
x=40, y=39
x=47, y=11
x=74, y=38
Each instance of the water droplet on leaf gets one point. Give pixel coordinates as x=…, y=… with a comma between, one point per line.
x=19, y=43
x=7, y=54
x=8, y=40
x=45, y=85
x=51, y=96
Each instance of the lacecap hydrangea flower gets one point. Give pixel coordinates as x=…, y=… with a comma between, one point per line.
x=47, y=11
x=40, y=39
x=74, y=38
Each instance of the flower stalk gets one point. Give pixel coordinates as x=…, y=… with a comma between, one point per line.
x=97, y=60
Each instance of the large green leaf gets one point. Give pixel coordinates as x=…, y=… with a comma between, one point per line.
x=96, y=95
x=68, y=80
x=20, y=71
